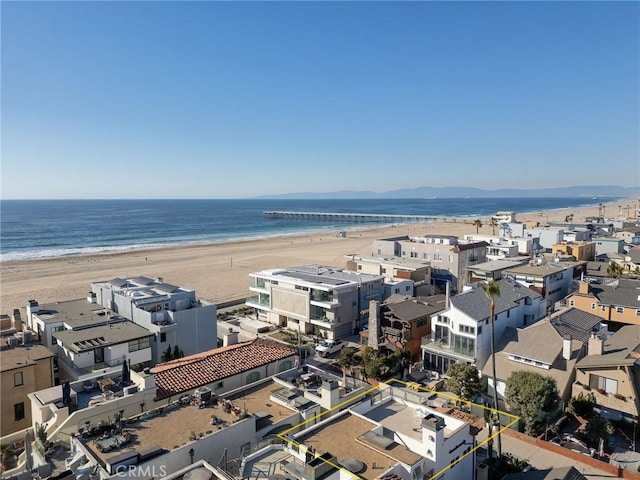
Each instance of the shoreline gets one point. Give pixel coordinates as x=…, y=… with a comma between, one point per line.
x=219, y=271
x=69, y=251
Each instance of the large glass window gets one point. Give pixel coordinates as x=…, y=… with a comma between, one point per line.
x=464, y=345
x=609, y=385
x=18, y=381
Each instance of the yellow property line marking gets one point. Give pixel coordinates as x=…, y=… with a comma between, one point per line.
x=283, y=435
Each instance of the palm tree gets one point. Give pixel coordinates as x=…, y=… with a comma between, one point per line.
x=477, y=223
x=615, y=270
x=492, y=290
x=494, y=223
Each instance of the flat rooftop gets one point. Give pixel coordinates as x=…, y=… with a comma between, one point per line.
x=403, y=419
x=173, y=426
x=75, y=313
x=103, y=335
x=344, y=438
x=22, y=356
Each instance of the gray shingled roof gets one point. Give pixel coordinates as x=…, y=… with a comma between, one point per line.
x=576, y=323
x=476, y=304
x=623, y=348
x=634, y=254
x=626, y=293
x=559, y=473
x=410, y=310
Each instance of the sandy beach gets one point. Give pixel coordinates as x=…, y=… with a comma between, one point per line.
x=219, y=272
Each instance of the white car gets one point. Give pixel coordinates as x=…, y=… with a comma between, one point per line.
x=329, y=347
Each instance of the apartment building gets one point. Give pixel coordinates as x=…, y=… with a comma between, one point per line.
x=580, y=251
x=25, y=367
x=551, y=279
x=402, y=276
x=449, y=257
x=173, y=314
x=612, y=300
x=315, y=298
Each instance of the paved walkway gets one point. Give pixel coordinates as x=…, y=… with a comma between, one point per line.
x=539, y=457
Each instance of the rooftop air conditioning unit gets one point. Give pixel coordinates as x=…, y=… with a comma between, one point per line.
x=13, y=342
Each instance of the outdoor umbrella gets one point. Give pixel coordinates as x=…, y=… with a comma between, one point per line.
x=66, y=393
x=126, y=378
x=28, y=465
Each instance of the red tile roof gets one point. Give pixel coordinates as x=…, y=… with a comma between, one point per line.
x=188, y=373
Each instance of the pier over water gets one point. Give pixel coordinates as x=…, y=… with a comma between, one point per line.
x=353, y=217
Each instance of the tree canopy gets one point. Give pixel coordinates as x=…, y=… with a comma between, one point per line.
x=530, y=394
x=464, y=381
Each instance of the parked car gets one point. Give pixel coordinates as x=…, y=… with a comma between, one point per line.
x=329, y=347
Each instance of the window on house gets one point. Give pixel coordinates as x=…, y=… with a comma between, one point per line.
x=603, y=308
x=437, y=257
x=163, y=336
x=637, y=313
x=619, y=309
x=609, y=385
x=18, y=411
x=253, y=377
x=421, y=322
x=359, y=267
x=18, y=381
x=425, y=256
x=572, y=303
x=450, y=258
x=407, y=288
x=593, y=306
x=219, y=385
x=140, y=344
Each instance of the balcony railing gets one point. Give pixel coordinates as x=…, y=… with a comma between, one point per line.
x=400, y=334
x=258, y=301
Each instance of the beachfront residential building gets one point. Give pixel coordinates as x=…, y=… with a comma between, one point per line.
x=389, y=434
x=551, y=347
x=400, y=323
x=315, y=299
x=83, y=351
x=579, y=250
x=614, y=301
x=25, y=367
x=505, y=217
x=402, y=276
x=492, y=270
x=461, y=332
x=551, y=279
x=507, y=244
x=174, y=315
x=547, y=236
x=449, y=257
x=611, y=372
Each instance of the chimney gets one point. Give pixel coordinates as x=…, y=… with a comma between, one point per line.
x=230, y=338
x=566, y=347
x=329, y=390
x=596, y=344
x=583, y=288
x=374, y=323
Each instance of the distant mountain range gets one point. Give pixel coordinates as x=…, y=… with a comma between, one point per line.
x=589, y=191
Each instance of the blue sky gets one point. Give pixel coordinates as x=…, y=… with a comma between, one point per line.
x=237, y=99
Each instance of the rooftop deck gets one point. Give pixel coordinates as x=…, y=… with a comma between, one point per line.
x=342, y=438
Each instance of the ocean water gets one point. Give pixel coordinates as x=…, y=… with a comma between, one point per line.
x=31, y=229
